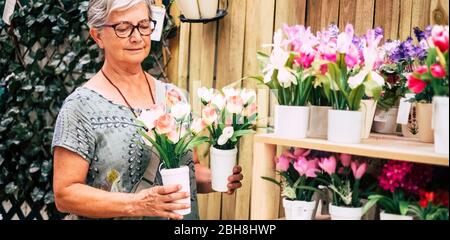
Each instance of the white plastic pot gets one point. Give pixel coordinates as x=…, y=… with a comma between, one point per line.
x=291, y=122
x=298, y=210
x=318, y=122
x=388, y=216
x=222, y=163
x=440, y=124
x=208, y=8
x=189, y=8
x=178, y=176
x=345, y=126
x=385, y=121
x=345, y=213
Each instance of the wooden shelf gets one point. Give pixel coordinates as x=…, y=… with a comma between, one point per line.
x=377, y=146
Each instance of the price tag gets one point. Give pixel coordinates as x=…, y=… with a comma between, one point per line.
x=403, y=111
x=8, y=11
x=158, y=14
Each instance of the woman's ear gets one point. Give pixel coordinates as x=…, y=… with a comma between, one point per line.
x=96, y=35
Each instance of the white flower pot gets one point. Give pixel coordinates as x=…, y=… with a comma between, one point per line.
x=208, y=8
x=189, y=8
x=299, y=210
x=178, y=176
x=291, y=122
x=368, y=108
x=385, y=121
x=345, y=213
x=318, y=122
x=440, y=124
x=388, y=216
x=222, y=163
x=345, y=126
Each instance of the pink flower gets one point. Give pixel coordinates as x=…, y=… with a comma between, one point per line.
x=421, y=70
x=165, y=124
x=173, y=97
x=306, y=168
x=283, y=163
x=359, y=170
x=301, y=152
x=323, y=69
x=345, y=39
x=404, y=175
x=346, y=159
x=198, y=125
x=250, y=110
x=305, y=60
x=235, y=104
x=438, y=71
x=352, y=57
x=416, y=85
x=439, y=36
x=328, y=165
x=209, y=114
x=149, y=117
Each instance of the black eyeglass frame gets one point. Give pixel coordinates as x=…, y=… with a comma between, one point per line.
x=113, y=26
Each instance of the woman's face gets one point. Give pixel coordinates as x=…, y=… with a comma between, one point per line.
x=129, y=50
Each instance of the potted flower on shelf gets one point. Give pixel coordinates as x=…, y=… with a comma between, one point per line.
x=298, y=169
x=288, y=73
x=399, y=60
x=229, y=115
x=431, y=206
x=343, y=178
x=431, y=84
x=173, y=132
x=351, y=78
x=399, y=183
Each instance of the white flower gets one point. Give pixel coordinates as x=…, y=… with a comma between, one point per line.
x=248, y=96
x=180, y=111
x=198, y=125
x=286, y=78
x=149, y=117
x=205, y=94
x=230, y=92
x=219, y=101
x=226, y=135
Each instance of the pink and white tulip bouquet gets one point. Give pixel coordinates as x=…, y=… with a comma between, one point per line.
x=343, y=178
x=298, y=170
x=172, y=131
x=350, y=63
x=288, y=70
x=229, y=115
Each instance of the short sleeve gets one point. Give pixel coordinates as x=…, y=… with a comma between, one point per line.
x=73, y=131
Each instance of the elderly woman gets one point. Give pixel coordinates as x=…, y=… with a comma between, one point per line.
x=99, y=169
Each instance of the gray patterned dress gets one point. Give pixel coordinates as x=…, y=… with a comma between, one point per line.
x=105, y=135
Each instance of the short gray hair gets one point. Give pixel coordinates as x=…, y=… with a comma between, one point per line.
x=99, y=10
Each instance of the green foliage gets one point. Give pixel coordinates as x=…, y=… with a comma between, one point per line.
x=44, y=55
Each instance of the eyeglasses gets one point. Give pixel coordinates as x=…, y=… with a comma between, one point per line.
x=125, y=29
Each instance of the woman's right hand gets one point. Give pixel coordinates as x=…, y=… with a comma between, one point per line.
x=159, y=201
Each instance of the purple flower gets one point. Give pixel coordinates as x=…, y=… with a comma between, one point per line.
x=422, y=35
x=405, y=52
x=333, y=30
x=379, y=32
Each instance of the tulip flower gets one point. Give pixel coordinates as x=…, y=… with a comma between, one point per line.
x=328, y=165
x=358, y=170
x=438, y=71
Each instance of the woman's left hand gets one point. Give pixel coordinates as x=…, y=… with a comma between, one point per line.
x=234, y=181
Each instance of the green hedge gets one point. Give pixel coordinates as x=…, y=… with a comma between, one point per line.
x=44, y=55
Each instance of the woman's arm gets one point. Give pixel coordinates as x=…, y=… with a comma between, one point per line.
x=72, y=195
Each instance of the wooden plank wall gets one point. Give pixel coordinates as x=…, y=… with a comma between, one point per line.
x=221, y=53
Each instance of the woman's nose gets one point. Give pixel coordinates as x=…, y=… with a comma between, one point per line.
x=136, y=36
